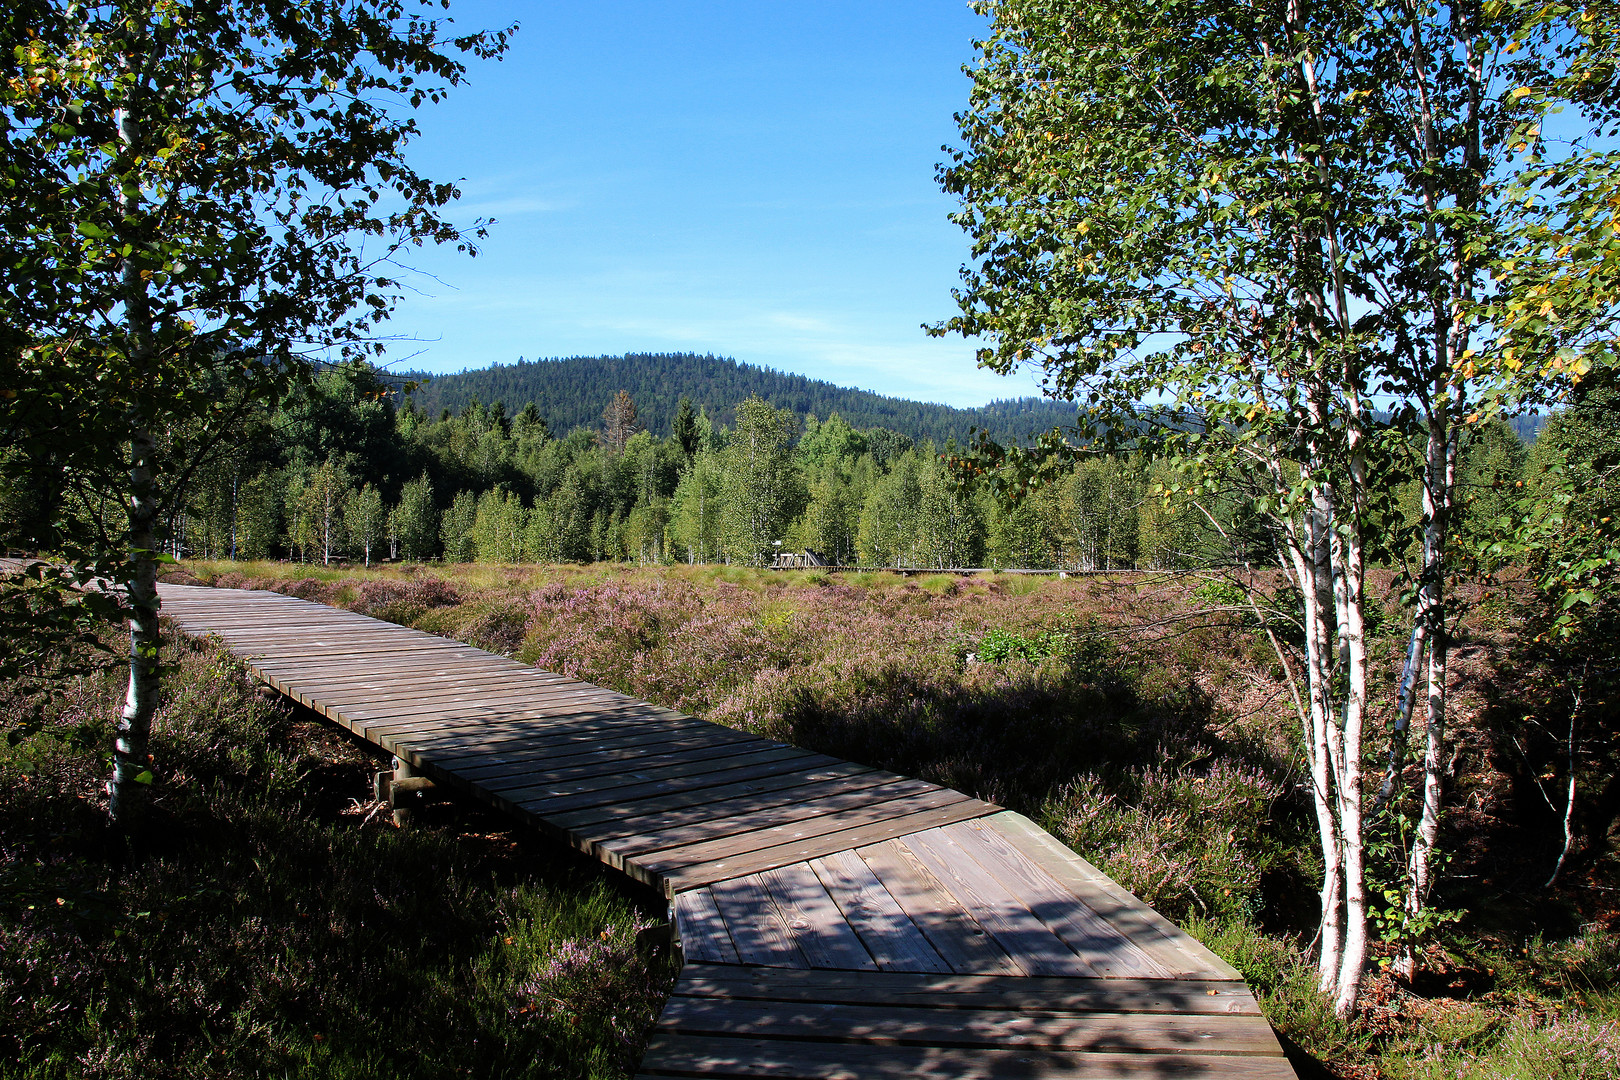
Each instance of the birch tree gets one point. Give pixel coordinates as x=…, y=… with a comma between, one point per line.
x=1253, y=238
x=760, y=485
x=196, y=196
x=365, y=520
x=414, y=523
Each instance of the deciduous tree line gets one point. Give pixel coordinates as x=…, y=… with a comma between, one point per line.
x=338, y=472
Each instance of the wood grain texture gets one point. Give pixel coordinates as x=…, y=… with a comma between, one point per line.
x=786, y=1059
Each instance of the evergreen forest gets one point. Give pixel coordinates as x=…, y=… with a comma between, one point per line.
x=568, y=392
x=343, y=472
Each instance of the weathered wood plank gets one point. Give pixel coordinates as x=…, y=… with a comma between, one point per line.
x=1161, y=1033
x=544, y=783
x=701, y=930
x=755, y=926
x=721, y=813
x=815, y=922
x=679, y=876
x=1093, y=939
x=888, y=933
x=626, y=744
x=693, y=804
x=634, y=752
x=1026, y=939
x=1169, y=944
x=787, y=1059
x=1025, y=993
x=949, y=927
x=545, y=803
x=745, y=841
x=726, y=823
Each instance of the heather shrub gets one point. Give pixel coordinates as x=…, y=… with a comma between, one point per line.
x=1186, y=840
x=312, y=588
x=1588, y=963
x=403, y=601
x=1282, y=975
x=1525, y=1047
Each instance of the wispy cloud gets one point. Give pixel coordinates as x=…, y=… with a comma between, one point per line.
x=511, y=206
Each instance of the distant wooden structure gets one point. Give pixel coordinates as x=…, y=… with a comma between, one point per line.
x=797, y=560
x=835, y=920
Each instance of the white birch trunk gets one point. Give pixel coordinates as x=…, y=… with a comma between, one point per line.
x=1439, y=484
x=131, y=775
x=1350, y=558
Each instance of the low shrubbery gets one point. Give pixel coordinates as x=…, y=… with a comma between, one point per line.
x=1165, y=755
x=269, y=926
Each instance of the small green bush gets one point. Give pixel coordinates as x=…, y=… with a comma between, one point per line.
x=999, y=646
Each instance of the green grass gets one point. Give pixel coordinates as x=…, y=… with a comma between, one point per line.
x=264, y=927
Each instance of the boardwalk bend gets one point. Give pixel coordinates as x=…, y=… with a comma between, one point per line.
x=835, y=920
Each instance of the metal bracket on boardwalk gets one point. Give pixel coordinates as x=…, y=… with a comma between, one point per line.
x=403, y=790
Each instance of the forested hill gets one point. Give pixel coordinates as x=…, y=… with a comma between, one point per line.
x=573, y=392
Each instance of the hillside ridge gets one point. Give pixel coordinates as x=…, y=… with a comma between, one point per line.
x=572, y=391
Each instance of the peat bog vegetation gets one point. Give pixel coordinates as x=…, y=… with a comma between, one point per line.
x=281, y=926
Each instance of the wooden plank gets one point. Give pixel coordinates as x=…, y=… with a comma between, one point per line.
x=684, y=876
x=815, y=922
x=627, y=742
x=700, y=929
x=472, y=731
x=278, y=652
x=721, y=812
x=893, y=940
x=1027, y=940
x=454, y=728
x=376, y=678
x=547, y=783
x=429, y=694
x=953, y=931
x=1093, y=939
x=1142, y=1033
x=755, y=926
x=546, y=803
x=698, y=804
x=629, y=752
x=521, y=734
x=411, y=666
x=788, y=1059
x=722, y=824
x=398, y=716
x=491, y=701
x=743, y=841
x=1177, y=950
x=552, y=773
x=498, y=718
x=1026, y=993
x=328, y=635
x=396, y=649
x=502, y=747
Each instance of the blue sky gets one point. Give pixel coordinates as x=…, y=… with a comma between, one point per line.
x=754, y=180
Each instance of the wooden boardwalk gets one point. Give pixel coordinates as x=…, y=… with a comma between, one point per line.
x=835, y=920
